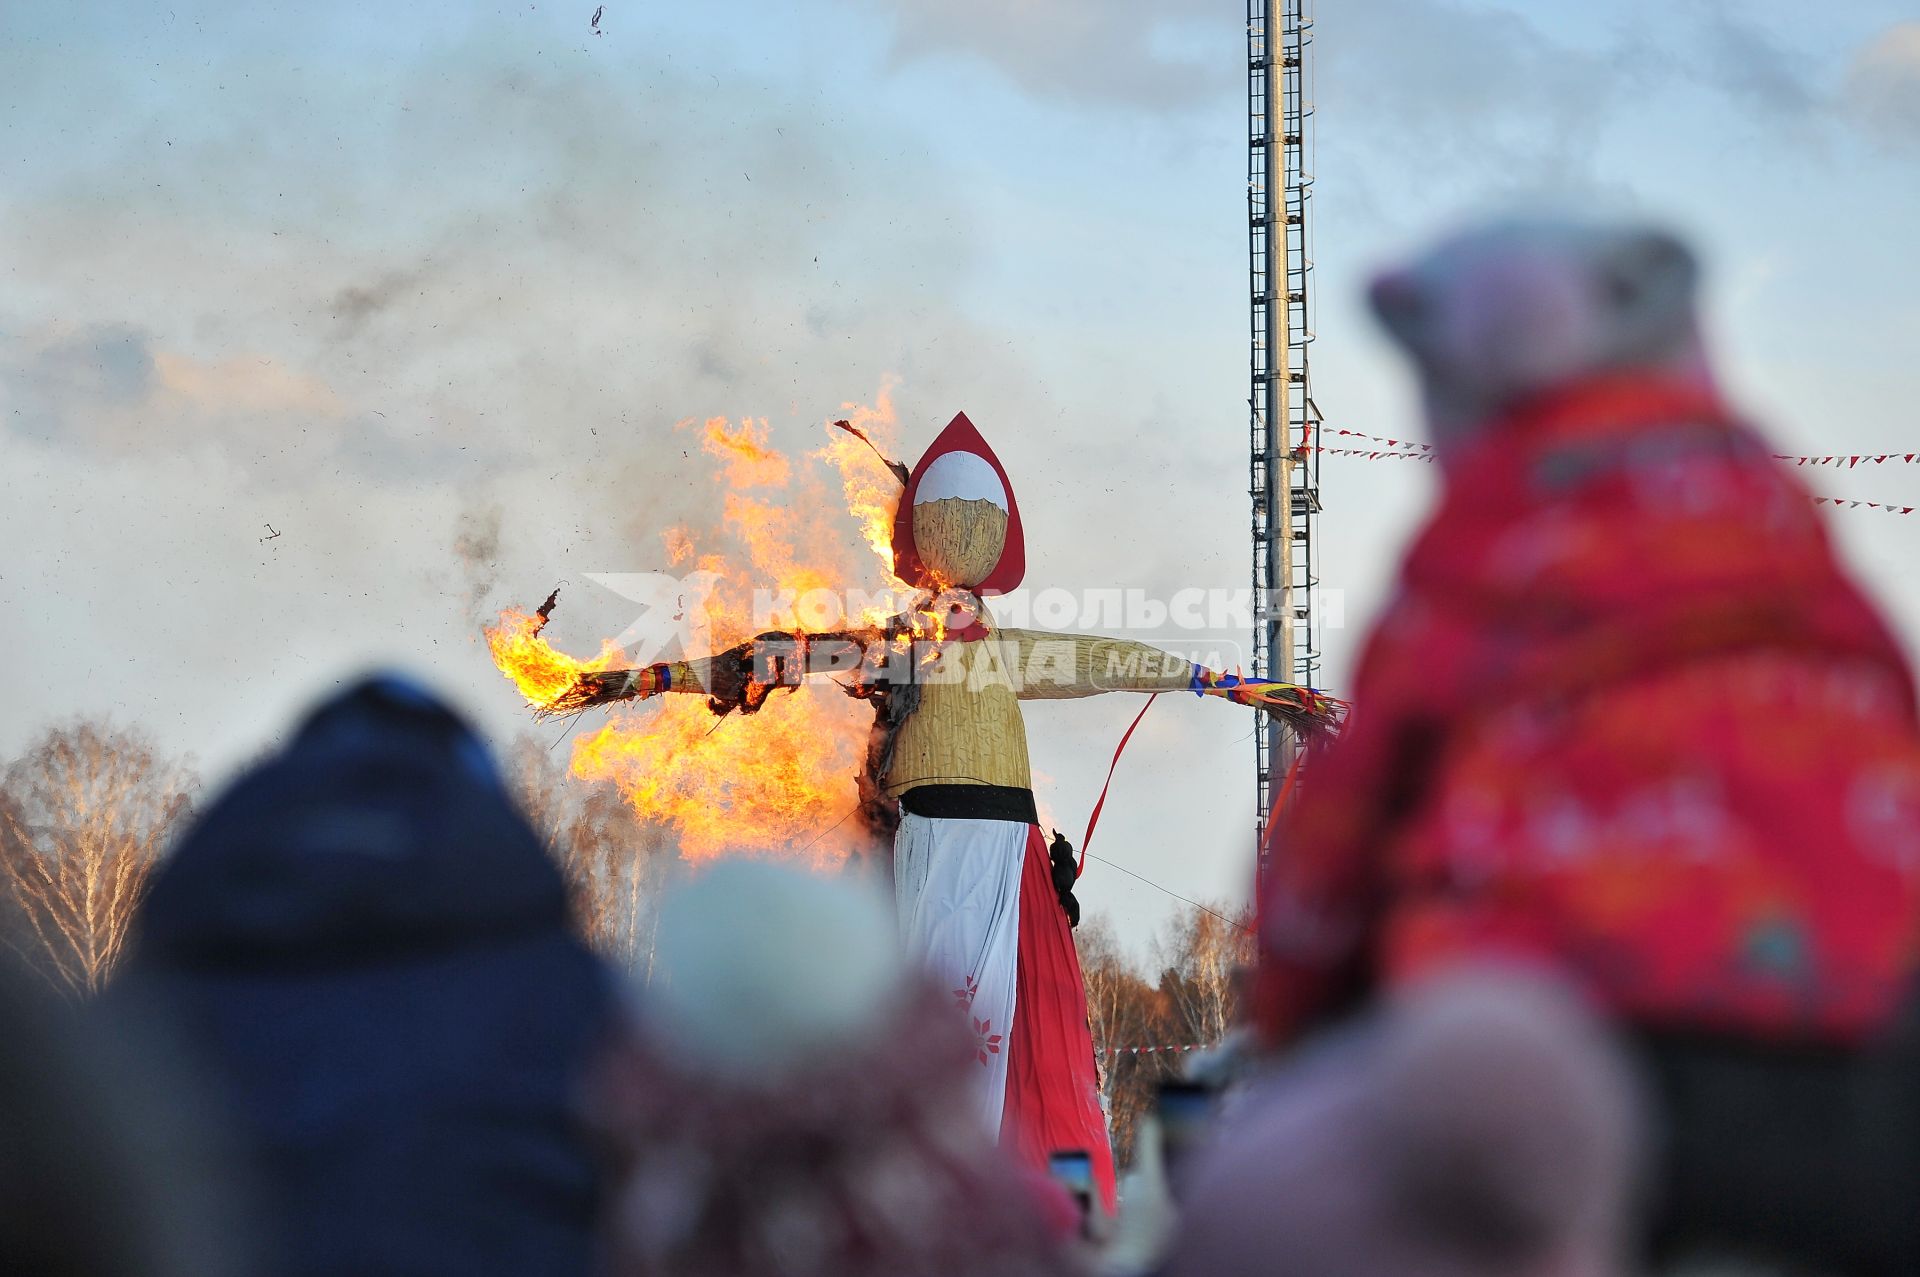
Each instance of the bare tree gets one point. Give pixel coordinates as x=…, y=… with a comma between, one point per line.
x=615, y=863
x=85, y=814
x=1202, y=955
x=1125, y=1013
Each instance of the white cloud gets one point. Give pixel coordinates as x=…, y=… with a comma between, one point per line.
x=1883, y=85
x=1130, y=53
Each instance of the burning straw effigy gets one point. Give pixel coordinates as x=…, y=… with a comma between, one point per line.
x=944, y=779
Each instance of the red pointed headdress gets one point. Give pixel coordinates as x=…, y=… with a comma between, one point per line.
x=953, y=467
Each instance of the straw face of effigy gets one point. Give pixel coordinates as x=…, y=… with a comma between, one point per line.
x=959, y=540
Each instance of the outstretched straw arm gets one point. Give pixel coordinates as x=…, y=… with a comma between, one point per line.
x=1049, y=666
x=742, y=677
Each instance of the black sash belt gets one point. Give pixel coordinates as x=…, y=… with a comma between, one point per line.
x=972, y=802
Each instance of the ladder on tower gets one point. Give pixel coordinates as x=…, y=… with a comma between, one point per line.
x=1284, y=461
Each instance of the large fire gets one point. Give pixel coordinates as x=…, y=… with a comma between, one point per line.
x=782, y=780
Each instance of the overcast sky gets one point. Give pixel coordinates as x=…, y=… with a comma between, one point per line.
x=388, y=278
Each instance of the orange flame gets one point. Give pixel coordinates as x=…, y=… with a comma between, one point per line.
x=781, y=780
x=750, y=462
x=872, y=491
x=540, y=671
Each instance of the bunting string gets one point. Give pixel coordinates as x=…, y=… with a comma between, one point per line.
x=1849, y=462
x=1884, y=507
x=1413, y=447
x=1376, y=454
x=1388, y=453
x=1382, y=439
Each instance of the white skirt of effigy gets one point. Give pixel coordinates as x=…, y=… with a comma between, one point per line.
x=957, y=883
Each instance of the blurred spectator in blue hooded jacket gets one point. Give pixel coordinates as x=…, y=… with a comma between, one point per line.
x=368, y=951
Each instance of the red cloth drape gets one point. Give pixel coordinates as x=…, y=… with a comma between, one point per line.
x=1053, y=1087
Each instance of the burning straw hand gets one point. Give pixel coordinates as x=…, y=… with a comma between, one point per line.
x=555, y=683
x=605, y=687
x=546, y=676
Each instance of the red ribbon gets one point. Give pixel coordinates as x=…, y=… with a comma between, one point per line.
x=1280, y=803
x=1094, y=819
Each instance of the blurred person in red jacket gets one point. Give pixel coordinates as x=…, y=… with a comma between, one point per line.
x=1626, y=716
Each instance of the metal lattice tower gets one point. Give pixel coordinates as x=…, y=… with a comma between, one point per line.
x=1285, y=464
